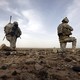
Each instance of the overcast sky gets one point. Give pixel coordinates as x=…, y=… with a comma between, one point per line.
x=39, y=19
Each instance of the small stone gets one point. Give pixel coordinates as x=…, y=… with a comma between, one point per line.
x=30, y=61
x=38, y=66
x=7, y=53
x=4, y=47
x=4, y=77
x=68, y=59
x=73, y=57
x=55, y=50
x=43, y=75
x=76, y=68
x=74, y=61
x=14, y=73
x=4, y=67
x=41, y=57
x=13, y=66
x=13, y=52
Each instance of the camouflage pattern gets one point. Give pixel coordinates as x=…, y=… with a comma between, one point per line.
x=12, y=40
x=12, y=32
x=16, y=30
x=64, y=32
x=8, y=28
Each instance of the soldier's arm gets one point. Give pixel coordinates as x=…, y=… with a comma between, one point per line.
x=20, y=30
x=59, y=30
x=70, y=28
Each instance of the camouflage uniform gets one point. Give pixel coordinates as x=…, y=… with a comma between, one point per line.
x=64, y=32
x=12, y=32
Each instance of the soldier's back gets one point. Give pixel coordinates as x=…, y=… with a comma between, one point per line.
x=8, y=28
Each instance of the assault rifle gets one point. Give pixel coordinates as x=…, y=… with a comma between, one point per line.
x=9, y=22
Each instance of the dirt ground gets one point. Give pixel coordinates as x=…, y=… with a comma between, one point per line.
x=39, y=64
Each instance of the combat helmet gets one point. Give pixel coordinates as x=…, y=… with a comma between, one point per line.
x=65, y=20
x=15, y=23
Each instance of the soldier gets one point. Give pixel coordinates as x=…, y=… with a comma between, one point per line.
x=12, y=32
x=64, y=32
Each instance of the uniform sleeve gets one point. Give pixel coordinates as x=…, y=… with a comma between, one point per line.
x=20, y=31
x=70, y=28
x=59, y=29
x=4, y=28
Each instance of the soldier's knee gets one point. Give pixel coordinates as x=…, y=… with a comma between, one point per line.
x=74, y=39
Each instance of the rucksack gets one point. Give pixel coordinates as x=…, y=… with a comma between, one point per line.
x=8, y=28
x=12, y=30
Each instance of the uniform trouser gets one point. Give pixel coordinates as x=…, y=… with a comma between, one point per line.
x=70, y=39
x=12, y=40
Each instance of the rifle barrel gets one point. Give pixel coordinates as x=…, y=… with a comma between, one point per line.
x=3, y=38
x=10, y=18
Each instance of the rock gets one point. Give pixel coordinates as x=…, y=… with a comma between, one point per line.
x=55, y=50
x=7, y=53
x=68, y=59
x=78, y=73
x=42, y=62
x=38, y=66
x=68, y=65
x=4, y=47
x=15, y=53
x=73, y=51
x=14, y=73
x=41, y=57
x=74, y=61
x=56, y=76
x=4, y=77
x=76, y=68
x=13, y=66
x=4, y=67
x=73, y=57
x=42, y=75
x=30, y=61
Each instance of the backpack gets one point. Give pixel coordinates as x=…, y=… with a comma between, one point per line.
x=8, y=28
x=12, y=30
